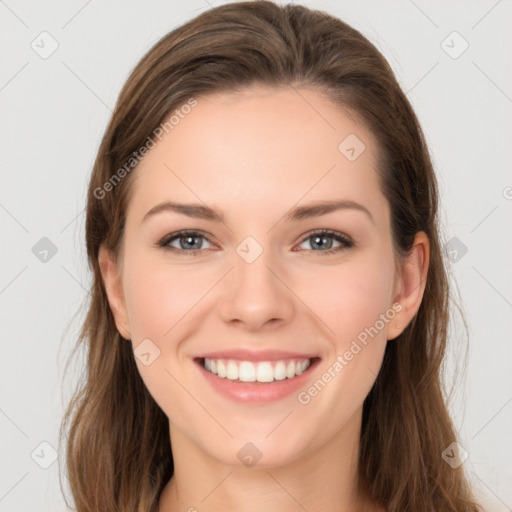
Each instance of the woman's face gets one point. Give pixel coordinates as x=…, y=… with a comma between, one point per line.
x=261, y=289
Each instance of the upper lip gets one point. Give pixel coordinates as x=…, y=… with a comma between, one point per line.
x=256, y=355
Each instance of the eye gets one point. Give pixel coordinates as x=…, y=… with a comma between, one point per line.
x=189, y=242
x=185, y=242
x=323, y=240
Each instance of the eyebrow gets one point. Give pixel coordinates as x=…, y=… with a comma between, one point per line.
x=200, y=211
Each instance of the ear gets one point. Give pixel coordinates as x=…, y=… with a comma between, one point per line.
x=111, y=275
x=410, y=284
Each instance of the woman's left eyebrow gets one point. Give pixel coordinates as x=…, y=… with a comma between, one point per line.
x=200, y=211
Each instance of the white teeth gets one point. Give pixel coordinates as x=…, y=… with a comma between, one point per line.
x=280, y=371
x=221, y=368
x=246, y=372
x=265, y=371
x=232, y=371
x=301, y=367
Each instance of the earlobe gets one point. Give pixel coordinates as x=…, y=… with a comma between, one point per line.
x=110, y=273
x=412, y=279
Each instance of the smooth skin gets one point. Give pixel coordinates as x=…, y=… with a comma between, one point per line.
x=253, y=156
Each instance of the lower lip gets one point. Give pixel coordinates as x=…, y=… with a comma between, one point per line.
x=257, y=392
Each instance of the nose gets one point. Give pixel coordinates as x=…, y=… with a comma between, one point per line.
x=256, y=295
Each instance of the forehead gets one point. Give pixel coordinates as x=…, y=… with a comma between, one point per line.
x=260, y=149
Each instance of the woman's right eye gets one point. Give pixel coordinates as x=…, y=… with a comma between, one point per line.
x=185, y=242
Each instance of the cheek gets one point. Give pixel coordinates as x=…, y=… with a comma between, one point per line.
x=355, y=305
x=349, y=297
x=160, y=296
x=163, y=301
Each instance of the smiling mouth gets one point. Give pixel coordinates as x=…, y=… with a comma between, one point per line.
x=252, y=371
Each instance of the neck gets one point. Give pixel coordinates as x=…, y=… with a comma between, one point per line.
x=323, y=479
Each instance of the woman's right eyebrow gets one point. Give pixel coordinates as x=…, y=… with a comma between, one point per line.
x=195, y=210
x=319, y=208
x=201, y=211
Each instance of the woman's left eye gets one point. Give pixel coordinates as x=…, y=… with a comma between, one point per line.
x=191, y=242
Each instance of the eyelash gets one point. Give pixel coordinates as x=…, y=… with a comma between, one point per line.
x=346, y=242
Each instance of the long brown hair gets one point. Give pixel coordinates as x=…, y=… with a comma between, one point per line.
x=119, y=456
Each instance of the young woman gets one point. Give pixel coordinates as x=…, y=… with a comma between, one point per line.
x=270, y=303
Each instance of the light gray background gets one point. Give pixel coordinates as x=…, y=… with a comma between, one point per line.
x=55, y=110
